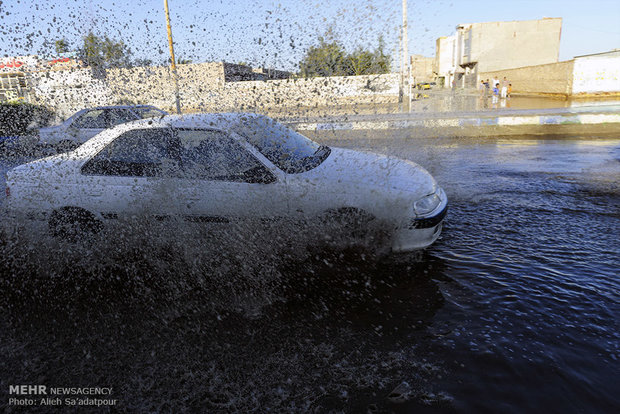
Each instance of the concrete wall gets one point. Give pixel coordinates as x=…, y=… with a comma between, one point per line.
x=582, y=76
x=553, y=79
x=594, y=75
x=422, y=68
x=504, y=45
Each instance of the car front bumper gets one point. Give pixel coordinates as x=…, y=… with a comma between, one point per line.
x=419, y=232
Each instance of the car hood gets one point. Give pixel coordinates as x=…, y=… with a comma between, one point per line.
x=372, y=170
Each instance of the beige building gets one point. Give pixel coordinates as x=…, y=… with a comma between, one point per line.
x=445, y=60
x=487, y=47
x=421, y=69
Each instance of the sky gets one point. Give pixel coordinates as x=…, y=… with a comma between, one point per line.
x=276, y=34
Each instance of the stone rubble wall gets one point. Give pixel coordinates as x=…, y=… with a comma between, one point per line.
x=203, y=89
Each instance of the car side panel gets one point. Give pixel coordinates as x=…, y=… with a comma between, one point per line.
x=215, y=199
x=118, y=195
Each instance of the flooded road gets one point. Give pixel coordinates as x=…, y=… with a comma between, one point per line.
x=514, y=309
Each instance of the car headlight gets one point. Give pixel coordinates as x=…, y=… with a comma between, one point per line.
x=427, y=204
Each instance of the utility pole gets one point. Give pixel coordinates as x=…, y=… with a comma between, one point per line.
x=172, y=61
x=404, y=52
x=411, y=81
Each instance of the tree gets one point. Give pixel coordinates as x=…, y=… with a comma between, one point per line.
x=360, y=62
x=326, y=59
x=329, y=58
x=61, y=46
x=381, y=62
x=103, y=53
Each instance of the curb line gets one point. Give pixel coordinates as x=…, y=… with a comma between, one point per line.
x=569, y=119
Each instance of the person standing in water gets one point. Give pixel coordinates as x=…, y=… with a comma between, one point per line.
x=504, y=92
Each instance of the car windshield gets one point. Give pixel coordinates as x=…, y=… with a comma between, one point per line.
x=290, y=151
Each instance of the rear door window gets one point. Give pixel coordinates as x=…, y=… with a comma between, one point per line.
x=149, y=152
x=119, y=116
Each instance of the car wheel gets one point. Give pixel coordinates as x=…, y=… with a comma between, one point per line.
x=73, y=224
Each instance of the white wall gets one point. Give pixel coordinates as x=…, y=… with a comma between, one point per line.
x=70, y=90
x=446, y=59
x=596, y=74
x=447, y=55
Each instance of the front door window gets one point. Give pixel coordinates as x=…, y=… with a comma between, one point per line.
x=214, y=155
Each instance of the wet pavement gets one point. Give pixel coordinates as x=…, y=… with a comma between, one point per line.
x=443, y=102
x=515, y=308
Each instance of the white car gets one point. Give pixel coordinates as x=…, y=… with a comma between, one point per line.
x=85, y=124
x=223, y=167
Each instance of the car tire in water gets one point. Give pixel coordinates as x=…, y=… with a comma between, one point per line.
x=73, y=224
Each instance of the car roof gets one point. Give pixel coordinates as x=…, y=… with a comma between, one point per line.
x=223, y=121
x=218, y=120
x=121, y=107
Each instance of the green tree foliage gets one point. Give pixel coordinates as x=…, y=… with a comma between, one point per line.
x=360, y=62
x=103, y=52
x=382, y=61
x=325, y=59
x=329, y=58
x=61, y=46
